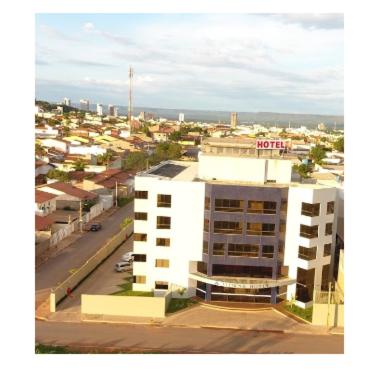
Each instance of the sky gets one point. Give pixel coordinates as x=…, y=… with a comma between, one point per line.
x=286, y=63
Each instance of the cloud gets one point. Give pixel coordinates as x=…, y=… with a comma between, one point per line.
x=313, y=21
x=87, y=63
x=122, y=40
x=56, y=34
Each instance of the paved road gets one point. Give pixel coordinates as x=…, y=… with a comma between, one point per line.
x=57, y=269
x=103, y=281
x=182, y=340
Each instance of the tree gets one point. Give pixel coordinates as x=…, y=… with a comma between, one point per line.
x=317, y=154
x=58, y=175
x=40, y=150
x=303, y=170
x=135, y=161
x=106, y=157
x=66, y=131
x=79, y=165
x=175, y=136
x=339, y=144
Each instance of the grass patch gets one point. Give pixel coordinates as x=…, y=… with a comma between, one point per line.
x=305, y=314
x=127, y=289
x=178, y=304
x=122, y=201
x=50, y=349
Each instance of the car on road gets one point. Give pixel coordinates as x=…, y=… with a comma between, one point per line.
x=95, y=227
x=123, y=266
x=129, y=257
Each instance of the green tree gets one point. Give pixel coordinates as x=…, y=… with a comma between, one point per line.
x=175, y=136
x=58, y=175
x=135, y=161
x=79, y=165
x=66, y=131
x=303, y=170
x=106, y=157
x=40, y=150
x=317, y=154
x=339, y=144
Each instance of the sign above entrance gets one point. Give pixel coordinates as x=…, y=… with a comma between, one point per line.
x=270, y=144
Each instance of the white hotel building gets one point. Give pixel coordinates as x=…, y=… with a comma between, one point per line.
x=233, y=227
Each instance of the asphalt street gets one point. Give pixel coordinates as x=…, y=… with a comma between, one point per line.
x=57, y=269
x=183, y=340
x=103, y=281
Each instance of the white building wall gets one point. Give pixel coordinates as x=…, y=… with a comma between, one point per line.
x=186, y=233
x=296, y=196
x=245, y=169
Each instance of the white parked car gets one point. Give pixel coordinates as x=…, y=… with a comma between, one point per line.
x=129, y=257
x=123, y=266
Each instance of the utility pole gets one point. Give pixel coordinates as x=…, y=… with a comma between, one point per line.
x=116, y=193
x=80, y=216
x=129, y=112
x=328, y=302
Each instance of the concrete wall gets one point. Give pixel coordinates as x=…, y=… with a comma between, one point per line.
x=335, y=315
x=72, y=281
x=139, y=306
x=255, y=170
x=186, y=232
x=296, y=196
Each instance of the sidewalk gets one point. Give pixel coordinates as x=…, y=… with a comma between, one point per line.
x=72, y=238
x=198, y=316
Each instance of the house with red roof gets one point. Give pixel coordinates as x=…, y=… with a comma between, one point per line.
x=68, y=196
x=45, y=203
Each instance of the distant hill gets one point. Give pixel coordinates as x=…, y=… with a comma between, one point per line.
x=264, y=118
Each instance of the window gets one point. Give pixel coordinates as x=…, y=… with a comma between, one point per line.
x=201, y=285
x=307, y=253
x=162, y=263
x=310, y=209
x=139, y=258
x=140, y=237
x=206, y=225
x=327, y=250
x=330, y=207
x=328, y=230
x=246, y=250
x=231, y=227
x=309, y=232
x=261, y=229
x=164, y=201
x=140, y=216
x=305, y=285
x=205, y=247
x=161, y=285
x=140, y=194
x=262, y=207
x=202, y=267
x=218, y=249
x=207, y=203
x=241, y=271
x=162, y=242
x=139, y=279
x=268, y=251
x=229, y=205
x=325, y=279
x=283, y=206
x=163, y=222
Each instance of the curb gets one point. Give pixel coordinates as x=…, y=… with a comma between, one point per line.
x=219, y=308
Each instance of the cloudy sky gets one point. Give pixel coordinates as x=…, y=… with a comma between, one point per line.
x=290, y=63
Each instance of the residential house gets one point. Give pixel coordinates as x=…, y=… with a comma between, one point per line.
x=45, y=203
x=68, y=196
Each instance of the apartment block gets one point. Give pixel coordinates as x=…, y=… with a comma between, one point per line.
x=233, y=227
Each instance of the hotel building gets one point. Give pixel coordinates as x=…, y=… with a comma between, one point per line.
x=233, y=227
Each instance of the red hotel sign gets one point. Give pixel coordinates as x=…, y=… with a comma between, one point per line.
x=270, y=144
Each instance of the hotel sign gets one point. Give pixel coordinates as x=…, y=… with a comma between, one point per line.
x=270, y=144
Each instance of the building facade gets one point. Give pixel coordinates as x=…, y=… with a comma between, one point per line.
x=233, y=120
x=232, y=227
x=99, y=109
x=84, y=105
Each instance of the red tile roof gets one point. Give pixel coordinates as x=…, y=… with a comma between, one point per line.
x=41, y=196
x=43, y=223
x=69, y=189
x=109, y=177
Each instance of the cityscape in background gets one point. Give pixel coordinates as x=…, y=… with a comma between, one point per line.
x=197, y=222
